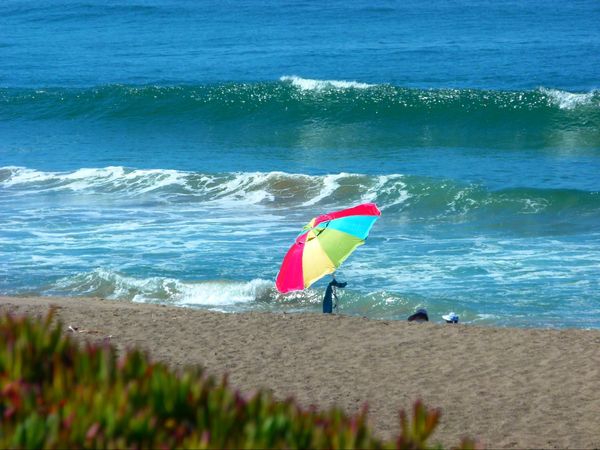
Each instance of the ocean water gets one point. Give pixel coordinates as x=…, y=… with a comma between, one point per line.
x=170, y=152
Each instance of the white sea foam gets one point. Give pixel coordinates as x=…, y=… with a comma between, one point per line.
x=533, y=205
x=568, y=100
x=307, y=84
x=110, y=178
x=226, y=189
x=217, y=293
x=330, y=184
x=213, y=293
x=392, y=187
x=249, y=187
x=23, y=175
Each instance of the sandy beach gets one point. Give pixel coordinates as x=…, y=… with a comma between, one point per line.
x=510, y=388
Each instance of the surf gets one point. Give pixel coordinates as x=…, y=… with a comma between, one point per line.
x=296, y=112
x=298, y=97
x=399, y=193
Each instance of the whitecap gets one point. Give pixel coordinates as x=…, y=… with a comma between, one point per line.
x=307, y=84
x=568, y=100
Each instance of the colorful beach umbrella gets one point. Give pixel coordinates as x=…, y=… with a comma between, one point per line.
x=325, y=243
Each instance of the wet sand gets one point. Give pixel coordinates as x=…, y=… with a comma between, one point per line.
x=515, y=388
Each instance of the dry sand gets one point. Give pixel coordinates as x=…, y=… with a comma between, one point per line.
x=523, y=388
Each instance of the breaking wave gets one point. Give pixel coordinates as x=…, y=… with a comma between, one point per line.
x=297, y=111
x=207, y=294
x=293, y=96
x=417, y=196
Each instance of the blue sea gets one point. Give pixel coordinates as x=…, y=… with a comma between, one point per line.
x=171, y=151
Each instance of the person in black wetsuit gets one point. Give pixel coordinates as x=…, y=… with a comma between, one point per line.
x=329, y=293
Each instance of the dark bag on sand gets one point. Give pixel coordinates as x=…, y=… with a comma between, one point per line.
x=419, y=316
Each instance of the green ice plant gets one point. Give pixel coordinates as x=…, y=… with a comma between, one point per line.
x=58, y=393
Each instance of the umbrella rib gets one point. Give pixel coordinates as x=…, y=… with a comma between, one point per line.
x=320, y=230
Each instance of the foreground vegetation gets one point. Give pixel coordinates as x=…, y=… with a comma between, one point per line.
x=57, y=393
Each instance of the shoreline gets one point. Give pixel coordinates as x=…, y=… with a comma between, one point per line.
x=506, y=387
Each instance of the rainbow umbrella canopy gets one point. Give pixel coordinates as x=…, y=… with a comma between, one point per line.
x=324, y=243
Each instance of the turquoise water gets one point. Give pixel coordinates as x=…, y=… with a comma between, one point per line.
x=171, y=152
